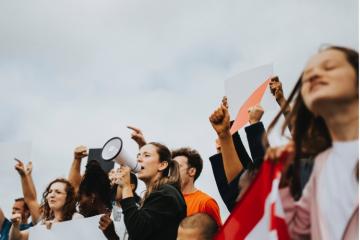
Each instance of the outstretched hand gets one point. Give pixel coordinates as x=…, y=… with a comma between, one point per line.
x=220, y=120
x=137, y=136
x=21, y=168
x=107, y=227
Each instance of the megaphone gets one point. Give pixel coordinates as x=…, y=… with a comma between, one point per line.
x=113, y=151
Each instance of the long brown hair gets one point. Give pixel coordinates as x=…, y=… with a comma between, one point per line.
x=170, y=175
x=69, y=207
x=310, y=133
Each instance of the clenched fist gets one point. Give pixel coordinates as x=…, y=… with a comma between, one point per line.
x=276, y=88
x=80, y=152
x=220, y=120
x=255, y=114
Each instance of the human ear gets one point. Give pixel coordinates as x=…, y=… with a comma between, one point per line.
x=192, y=171
x=163, y=166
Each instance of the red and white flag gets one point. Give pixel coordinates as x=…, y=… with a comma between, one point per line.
x=259, y=213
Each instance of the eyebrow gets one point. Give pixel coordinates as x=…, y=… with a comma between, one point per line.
x=322, y=64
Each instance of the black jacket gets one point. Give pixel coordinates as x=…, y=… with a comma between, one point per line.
x=158, y=218
x=230, y=191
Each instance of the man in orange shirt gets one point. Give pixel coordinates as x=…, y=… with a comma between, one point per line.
x=191, y=165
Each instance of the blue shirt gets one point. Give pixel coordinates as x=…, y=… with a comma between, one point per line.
x=5, y=229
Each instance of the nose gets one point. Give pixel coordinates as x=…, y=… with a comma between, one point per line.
x=315, y=74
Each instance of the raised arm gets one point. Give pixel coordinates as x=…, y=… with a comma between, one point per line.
x=220, y=121
x=277, y=91
x=29, y=168
x=15, y=233
x=74, y=175
x=29, y=191
x=2, y=219
x=255, y=134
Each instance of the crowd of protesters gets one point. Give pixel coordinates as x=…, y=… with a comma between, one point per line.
x=318, y=187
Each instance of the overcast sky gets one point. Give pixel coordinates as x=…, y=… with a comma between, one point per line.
x=77, y=72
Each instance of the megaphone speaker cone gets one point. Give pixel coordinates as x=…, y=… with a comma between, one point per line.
x=112, y=148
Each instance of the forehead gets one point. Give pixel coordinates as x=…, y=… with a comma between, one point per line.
x=57, y=186
x=182, y=160
x=327, y=55
x=18, y=204
x=148, y=148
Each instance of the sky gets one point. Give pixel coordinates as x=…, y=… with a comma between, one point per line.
x=77, y=72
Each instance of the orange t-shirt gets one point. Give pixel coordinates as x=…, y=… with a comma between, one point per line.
x=200, y=202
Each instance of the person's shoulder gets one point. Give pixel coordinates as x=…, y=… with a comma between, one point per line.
x=170, y=191
x=204, y=196
x=77, y=215
x=6, y=221
x=26, y=226
x=321, y=159
x=167, y=194
x=5, y=226
x=168, y=188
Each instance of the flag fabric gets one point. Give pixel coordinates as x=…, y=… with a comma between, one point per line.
x=259, y=213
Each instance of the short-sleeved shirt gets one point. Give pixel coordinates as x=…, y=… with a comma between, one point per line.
x=5, y=229
x=200, y=202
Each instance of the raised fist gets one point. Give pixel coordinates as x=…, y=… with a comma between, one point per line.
x=255, y=114
x=220, y=120
x=80, y=152
x=276, y=88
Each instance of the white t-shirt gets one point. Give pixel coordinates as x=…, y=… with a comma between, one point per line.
x=338, y=187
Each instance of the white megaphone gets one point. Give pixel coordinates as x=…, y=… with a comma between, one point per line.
x=113, y=151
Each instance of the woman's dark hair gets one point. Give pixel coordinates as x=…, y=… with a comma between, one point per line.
x=170, y=175
x=96, y=182
x=310, y=133
x=133, y=180
x=69, y=207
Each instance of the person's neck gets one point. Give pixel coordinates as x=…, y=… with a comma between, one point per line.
x=342, y=121
x=24, y=221
x=151, y=181
x=58, y=216
x=101, y=208
x=188, y=188
x=117, y=203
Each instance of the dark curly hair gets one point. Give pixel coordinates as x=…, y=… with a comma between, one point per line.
x=69, y=207
x=96, y=181
x=194, y=159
